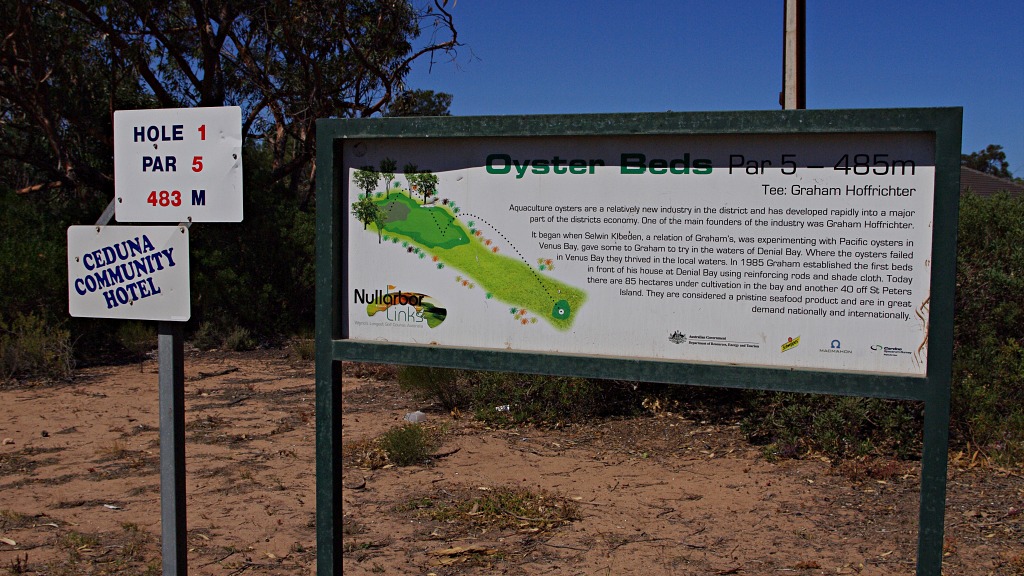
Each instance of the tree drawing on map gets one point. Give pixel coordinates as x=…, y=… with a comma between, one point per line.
x=432, y=230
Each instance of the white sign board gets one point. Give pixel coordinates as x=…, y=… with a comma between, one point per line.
x=808, y=251
x=178, y=165
x=129, y=272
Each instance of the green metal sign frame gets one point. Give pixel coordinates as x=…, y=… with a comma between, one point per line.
x=333, y=346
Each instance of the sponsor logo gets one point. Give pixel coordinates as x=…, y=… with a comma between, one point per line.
x=889, y=350
x=791, y=343
x=835, y=347
x=716, y=341
x=401, y=308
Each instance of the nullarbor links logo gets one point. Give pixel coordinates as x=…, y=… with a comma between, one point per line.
x=402, y=308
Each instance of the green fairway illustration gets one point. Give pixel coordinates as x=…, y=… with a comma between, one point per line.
x=436, y=230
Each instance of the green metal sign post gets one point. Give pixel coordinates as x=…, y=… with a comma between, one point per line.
x=799, y=250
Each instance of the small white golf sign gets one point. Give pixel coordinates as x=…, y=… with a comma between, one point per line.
x=129, y=272
x=178, y=165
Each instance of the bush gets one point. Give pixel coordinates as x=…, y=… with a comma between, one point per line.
x=32, y=347
x=303, y=348
x=239, y=340
x=207, y=336
x=502, y=398
x=408, y=445
x=138, y=338
x=445, y=386
x=506, y=398
x=988, y=352
x=792, y=425
x=259, y=274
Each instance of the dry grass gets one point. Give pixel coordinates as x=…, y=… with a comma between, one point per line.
x=463, y=511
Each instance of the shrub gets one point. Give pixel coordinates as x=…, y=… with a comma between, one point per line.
x=988, y=351
x=445, y=386
x=792, y=425
x=32, y=347
x=239, y=340
x=502, y=398
x=303, y=348
x=138, y=338
x=207, y=336
x=408, y=445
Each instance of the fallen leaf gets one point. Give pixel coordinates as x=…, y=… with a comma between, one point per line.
x=8, y=541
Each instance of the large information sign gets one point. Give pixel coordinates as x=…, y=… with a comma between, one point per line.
x=810, y=251
x=178, y=165
x=804, y=251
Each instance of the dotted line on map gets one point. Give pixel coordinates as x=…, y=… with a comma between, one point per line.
x=509, y=242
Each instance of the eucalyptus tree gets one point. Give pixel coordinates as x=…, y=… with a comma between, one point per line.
x=66, y=65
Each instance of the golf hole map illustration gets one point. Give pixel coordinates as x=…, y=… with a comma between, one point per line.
x=762, y=250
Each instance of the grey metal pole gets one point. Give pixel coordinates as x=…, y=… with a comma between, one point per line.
x=173, y=526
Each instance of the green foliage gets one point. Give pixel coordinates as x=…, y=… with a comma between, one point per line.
x=207, y=336
x=32, y=347
x=991, y=160
x=408, y=445
x=387, y=173
x=259, y=274
x=381, y=33
x=65, y=66
x=303, y=348
x=367, y=211
x=988, y=361
x=988, y=354
x=33, y=253
x=504, y=398
x=420, y=103
x=366, y=180
x=138, y=338
x=446, y=386
x=427, y=184
x=792, y=425
x=239, y=340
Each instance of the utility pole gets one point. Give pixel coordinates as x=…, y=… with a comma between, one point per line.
x=794, y=77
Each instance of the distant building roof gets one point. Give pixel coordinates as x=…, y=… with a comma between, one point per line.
x=984, y=184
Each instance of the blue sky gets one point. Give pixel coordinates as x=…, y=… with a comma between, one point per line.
x=578, y=56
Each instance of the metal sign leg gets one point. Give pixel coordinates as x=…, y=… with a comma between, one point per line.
x=174, y=543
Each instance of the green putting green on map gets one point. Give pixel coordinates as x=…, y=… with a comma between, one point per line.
x=436, y=230
x=429, y=227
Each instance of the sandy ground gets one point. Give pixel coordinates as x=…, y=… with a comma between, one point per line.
x=658, y=494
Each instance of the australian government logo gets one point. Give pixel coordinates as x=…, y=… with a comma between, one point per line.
x=835, y=347
x=678, y=337
x=400, y=308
